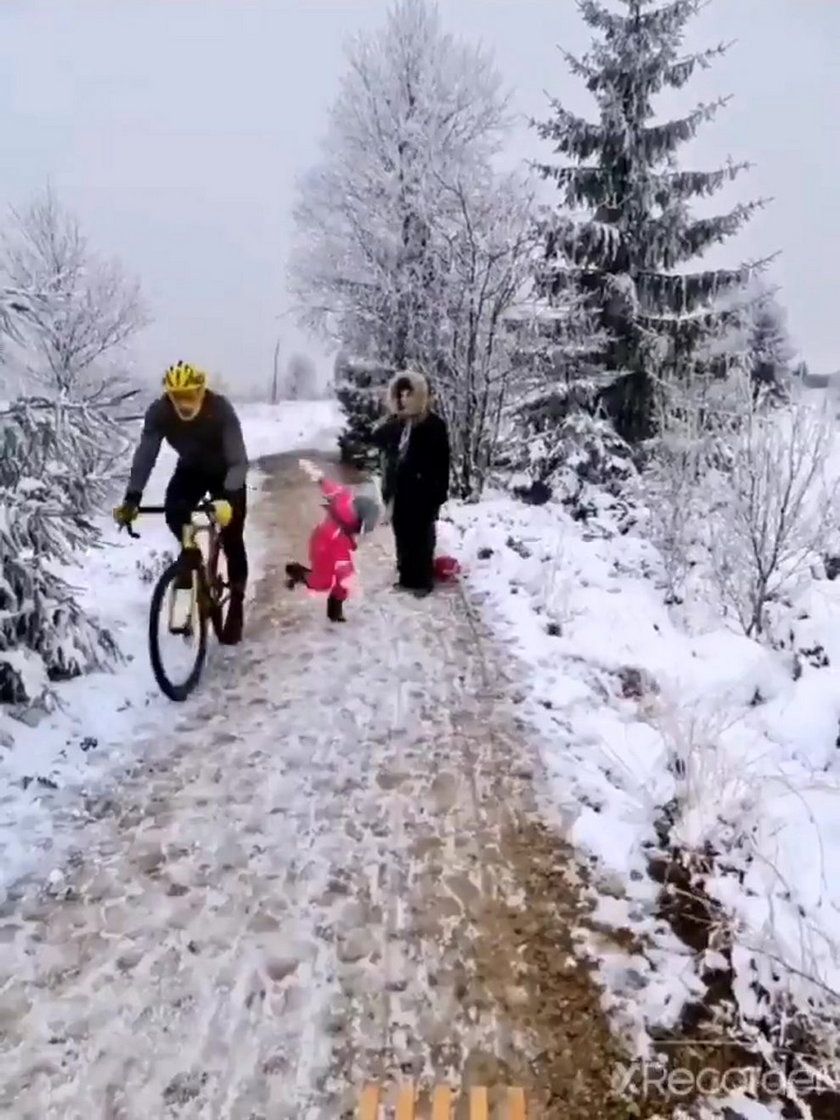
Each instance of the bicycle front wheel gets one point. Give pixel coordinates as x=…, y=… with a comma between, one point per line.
x=177, y=632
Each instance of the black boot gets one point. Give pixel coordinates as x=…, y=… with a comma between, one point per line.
x=295, y=574
x=335, y=610
x=184, y=579
x=234, y=619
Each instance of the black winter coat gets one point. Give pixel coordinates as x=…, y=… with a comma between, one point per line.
x=420, y=477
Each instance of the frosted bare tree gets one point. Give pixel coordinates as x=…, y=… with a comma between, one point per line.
x=779, y=505
x=745, y=488
x=74, y=334
x=486, y=253
x=696, y=417
x=416, y=108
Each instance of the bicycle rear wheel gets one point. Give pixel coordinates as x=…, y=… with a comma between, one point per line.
x=192, y=631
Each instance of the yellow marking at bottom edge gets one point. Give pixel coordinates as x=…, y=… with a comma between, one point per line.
x=442, y=1103
x=478, y=1103
x=369, y=1103
x=405, y=1103
x=516, y=1104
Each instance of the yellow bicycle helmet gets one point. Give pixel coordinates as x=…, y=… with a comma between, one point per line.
x=185, y=386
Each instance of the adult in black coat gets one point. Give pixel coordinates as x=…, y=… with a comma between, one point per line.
x=415, y=444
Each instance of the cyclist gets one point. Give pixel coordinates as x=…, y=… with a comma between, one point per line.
x=204, y=430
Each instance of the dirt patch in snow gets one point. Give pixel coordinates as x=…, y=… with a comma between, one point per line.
x=331, y=871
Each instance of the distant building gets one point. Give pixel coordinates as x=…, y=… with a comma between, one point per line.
x=821, y=380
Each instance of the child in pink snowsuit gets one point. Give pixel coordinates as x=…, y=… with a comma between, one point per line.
x=333, y=543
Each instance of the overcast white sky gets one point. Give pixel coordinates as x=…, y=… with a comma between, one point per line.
x=176, y=129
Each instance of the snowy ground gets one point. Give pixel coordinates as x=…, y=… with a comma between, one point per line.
x=328, y=871
x=316, y=792
x=105, y=715
x=635, y=712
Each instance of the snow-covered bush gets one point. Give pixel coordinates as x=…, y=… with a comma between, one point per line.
x=553, y=581
x=44, y=634
x=725, y=866
x=777, y=507
x=696, y=420
x=568, y=454
x=57, y=466
x=150, y=569
x=741, y=490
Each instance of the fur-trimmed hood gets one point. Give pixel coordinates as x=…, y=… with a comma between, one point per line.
x=420, y=400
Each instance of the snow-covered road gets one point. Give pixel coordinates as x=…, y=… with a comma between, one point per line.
x=330, y=872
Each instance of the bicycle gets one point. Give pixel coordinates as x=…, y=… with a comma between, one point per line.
x=209, y=594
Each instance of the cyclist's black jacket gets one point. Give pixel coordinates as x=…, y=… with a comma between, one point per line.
x=211, y=443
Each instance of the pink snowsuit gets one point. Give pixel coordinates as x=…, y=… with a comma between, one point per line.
x=332, y=544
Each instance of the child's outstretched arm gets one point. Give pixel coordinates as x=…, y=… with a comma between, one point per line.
x=329, y=489
x=310, y=470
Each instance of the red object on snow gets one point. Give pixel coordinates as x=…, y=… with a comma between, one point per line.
x=447, y=568
x=332, y=543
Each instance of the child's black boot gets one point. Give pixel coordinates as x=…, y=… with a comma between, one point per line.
x=295, y=574
x=335, y=610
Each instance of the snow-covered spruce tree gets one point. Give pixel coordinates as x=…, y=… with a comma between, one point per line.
x=85, y=312
x=58, y=463
x=558, y=438
x=359, y=386
x=622, y=169
x=416, y=108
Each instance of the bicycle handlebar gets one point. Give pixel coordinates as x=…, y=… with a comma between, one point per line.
x=202, y=507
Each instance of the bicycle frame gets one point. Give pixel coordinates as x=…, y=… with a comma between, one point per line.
x=191, y=550
x=206, y=587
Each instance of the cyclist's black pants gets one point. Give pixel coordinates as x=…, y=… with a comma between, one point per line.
x=186, y=489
